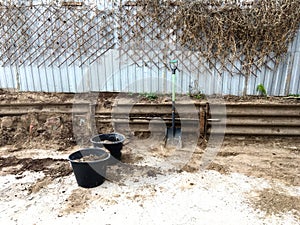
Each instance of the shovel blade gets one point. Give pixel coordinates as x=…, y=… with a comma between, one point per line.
x=173, y=138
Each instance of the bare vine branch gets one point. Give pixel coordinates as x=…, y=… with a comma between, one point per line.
x=227, y=30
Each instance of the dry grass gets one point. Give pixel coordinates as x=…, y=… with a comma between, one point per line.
x=224, y=30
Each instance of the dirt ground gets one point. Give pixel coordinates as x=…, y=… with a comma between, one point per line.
x=252, y=180
x=268, y=169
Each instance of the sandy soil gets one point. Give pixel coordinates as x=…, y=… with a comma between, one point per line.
x=250, y=181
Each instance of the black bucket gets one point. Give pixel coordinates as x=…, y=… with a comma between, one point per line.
x=113, y=142
x=90, y=173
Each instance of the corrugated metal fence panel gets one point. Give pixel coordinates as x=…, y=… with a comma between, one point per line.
x=8, y=78
x=51, y=79
x=295, y=76
x=294, y=72
x=295, y=45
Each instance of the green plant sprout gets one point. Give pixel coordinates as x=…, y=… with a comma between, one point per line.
x=199, y=95
x=150, y=96
x=294, y=95
x=261, y=89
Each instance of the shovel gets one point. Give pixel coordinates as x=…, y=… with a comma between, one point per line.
x=173, y=134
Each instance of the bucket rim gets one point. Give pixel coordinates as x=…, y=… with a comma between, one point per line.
x=102, y=142
x=89, y=162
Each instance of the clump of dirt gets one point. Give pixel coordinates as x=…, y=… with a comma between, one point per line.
x=273, y=202
x=53, y=168
x=130, y=158
x=223, y=169
x=41, y=183
x=77, y=202
x=121, y=172
x=227, y=154
x=162, y=151
x=193, y=165
x=91, y=158
x=141, y=135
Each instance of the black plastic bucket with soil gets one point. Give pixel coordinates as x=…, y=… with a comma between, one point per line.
x=89, y=166
x=113, y=142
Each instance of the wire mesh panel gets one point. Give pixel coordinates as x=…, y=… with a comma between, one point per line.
x=147, y=39
x=53, y=34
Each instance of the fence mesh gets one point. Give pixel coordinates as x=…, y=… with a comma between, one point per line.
x=54, y=34
x=147, y=32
